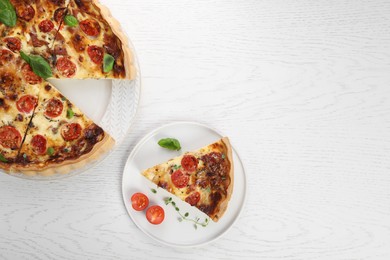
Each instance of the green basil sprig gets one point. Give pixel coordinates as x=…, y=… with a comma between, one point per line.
x=70, y=20
x=69, y=113
x=38, y=65
x=7, y=13
x=50, y=151
x=108, y=63
x=2, y=158
x=170, y=143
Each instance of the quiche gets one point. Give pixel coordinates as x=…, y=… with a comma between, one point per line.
x=203, y=178
x=41, y=130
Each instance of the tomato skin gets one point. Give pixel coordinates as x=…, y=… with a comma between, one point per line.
x=70, y=132
x=155, y=214
x=66, y=67
x=38, y=142
x=30, y=76
x=13, y=43
x=10, y=137
x=46, y=26
x=193, y=199
x=5, y=56
x=180, y=179
x=189, y=163
x=26, y=103
x=139, y=201
x=53, y=108
x=96, y=54
x=90, y=27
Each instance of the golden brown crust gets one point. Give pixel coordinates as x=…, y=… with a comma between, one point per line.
x=5, y=166
x=67, y=166
x=117, y=30
x=222, y=205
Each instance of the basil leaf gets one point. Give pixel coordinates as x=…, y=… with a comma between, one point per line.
x=70, y=20
x=108, y=63
x=170, y=143
x=69, y=113
x=50, y=151
x=7, y=13
x=2, y=158
x=38, y=65
x=25, y=57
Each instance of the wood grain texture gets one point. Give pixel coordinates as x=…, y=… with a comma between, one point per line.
x=302, y=89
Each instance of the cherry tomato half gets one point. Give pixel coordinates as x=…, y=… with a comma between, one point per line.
x=155, y=214
x=139, y=201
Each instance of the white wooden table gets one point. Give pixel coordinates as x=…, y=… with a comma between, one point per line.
x=302, y=88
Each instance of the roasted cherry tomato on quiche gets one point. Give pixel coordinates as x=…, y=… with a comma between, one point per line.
x=46, y=26
x=96, y=53
x=71, y=131
x=155, y=214
x=30, y=76
x=66, y=67
x=38, y=143
x=10, y=137
x=13, y=43
x=139, y=201
x=54, y=108
x=193, y=199
x=90, y=27
x=189, y=163
x=26, y=103
x=180, y=179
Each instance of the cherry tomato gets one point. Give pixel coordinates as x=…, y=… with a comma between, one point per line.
x=53, y=108
x=155, y=214
x=180, y=179
x=71, y=131
x=30, y=76
x=26, y=103
x=25, y=12
x=10, y=137
x=46, y=26
x=189, y=163
x=90, y=27
x=139, y=201
x=5, y=56
x=59, y=14
x=193, y=199
x=96, y=53
x=13, y=43
x=38, y=143
x=66, y=67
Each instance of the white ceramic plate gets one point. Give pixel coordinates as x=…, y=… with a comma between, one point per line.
x=112, y=104
x=171, y=231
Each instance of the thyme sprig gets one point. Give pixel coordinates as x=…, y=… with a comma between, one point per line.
x=182, y=217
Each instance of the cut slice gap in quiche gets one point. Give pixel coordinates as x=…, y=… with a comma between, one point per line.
x=60, y=137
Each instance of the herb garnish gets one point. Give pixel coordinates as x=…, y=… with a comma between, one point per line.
x=69, y=113
x=185, y=216
x=153, y=190
x=70, y=20
x=108, y=62
x=50, y=151
x=2, y=158
x=38, y=65
x=170, y=143
x=176, y=167
x=7, y=13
